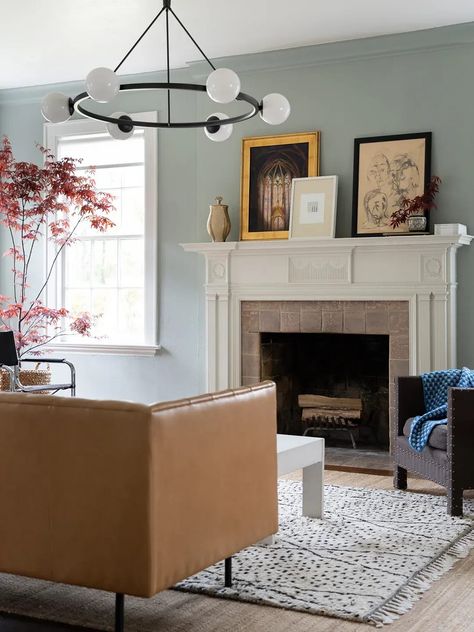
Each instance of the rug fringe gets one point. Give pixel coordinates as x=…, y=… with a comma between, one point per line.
x=407, y=596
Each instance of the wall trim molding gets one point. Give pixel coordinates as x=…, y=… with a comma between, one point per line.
x=392, y=45
x=347, y=51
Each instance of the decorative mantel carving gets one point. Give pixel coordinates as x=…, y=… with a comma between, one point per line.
x=419, y=269
x=329, y=268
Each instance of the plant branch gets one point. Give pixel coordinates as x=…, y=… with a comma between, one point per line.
x=33, y=324
x=14, y=262
x=23, y=253
x=53, y=263
x=33, y=241
x=46, y=342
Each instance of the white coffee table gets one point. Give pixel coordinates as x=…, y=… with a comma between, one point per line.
x=306, y=453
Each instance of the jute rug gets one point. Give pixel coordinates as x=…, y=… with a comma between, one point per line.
x=374, y=554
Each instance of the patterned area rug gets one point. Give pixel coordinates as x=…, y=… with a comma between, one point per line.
x=369, y=560
x=374, y=555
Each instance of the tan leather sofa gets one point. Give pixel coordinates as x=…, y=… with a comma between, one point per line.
x=131, y=498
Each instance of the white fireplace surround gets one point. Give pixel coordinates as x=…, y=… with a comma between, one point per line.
x=419, y=269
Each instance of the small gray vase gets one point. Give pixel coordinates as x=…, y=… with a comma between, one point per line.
x=417, y=223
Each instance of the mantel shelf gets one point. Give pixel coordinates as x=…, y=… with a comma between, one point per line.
x=306, y=245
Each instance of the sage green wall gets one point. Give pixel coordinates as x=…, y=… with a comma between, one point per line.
x=175, y=371
x=421, y=81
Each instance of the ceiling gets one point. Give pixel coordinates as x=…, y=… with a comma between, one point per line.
x=61, y=40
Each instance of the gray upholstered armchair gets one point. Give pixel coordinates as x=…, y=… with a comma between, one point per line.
x=448, y=457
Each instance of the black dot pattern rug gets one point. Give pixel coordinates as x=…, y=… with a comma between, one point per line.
x=369, y=560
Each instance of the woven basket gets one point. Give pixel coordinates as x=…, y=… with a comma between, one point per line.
x=28, y=377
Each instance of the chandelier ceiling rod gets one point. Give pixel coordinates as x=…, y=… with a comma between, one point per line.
x=190, y=36
x=222, y=86
x=140, y=39
x=168, y=60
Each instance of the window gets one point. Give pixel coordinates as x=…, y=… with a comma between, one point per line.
x=112, y=274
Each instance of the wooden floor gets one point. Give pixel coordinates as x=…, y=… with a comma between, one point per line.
x=447, y=607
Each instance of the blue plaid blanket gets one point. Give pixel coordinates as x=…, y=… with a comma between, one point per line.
x=435, y=391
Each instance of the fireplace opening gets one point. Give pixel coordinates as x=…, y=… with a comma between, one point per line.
x=331, y=385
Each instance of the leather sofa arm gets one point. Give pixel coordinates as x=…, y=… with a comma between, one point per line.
x=409, y=400
x=214, y=479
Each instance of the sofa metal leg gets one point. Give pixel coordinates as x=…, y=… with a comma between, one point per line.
x=400, y=477
x=119, y=612
x=228, y=572
x=455, y=505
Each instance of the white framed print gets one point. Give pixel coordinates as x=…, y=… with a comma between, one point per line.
x=313, y=207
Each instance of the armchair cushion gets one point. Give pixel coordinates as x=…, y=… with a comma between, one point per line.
x=438, y=438
x=436, y=386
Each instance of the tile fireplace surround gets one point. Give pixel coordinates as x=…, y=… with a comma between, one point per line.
x=403, y=286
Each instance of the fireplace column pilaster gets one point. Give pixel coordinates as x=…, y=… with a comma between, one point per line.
x=217, y=293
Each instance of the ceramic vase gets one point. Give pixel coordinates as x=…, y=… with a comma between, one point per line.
x=218, y=222
x=416, y=223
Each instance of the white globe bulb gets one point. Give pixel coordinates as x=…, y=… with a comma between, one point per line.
x=102, y=84
x=275, y=109
x=223, y=85
x=217, y=132
x=125, y=130
x=56, y=107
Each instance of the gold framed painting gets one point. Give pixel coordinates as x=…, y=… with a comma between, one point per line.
x=269, y=164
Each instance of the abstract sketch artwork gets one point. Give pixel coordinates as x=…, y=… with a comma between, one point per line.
x=387, y=171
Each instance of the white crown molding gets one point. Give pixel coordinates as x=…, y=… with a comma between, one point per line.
x=428, y=40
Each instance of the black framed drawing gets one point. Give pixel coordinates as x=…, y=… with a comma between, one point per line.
x=387, y=169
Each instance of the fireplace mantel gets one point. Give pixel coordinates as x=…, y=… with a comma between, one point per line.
x=420, y=269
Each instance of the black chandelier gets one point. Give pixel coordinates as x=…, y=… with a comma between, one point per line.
x=222, y=86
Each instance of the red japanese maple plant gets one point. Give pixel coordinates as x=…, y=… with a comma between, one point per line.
x=421, y=204
x=36, y=202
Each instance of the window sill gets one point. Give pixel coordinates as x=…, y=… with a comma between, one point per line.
x=106, y=349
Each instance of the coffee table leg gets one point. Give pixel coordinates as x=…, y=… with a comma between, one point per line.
x=313, y=490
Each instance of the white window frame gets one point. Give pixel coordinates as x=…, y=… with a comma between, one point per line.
x=52, y=133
